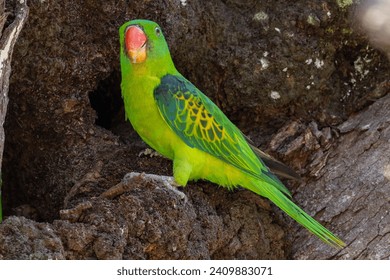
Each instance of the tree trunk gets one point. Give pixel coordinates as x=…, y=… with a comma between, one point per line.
x=351, y=191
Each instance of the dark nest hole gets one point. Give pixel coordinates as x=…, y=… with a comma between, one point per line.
x=25, y=158
x=107, y=101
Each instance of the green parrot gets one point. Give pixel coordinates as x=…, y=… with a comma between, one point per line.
x=176, y=119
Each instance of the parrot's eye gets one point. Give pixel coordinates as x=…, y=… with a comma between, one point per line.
x=158, y=31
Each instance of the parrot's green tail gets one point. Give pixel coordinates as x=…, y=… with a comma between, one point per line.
x=297, y=214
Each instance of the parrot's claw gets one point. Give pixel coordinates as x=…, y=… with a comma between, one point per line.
x=170, y=184
x=149, y=152
x=167, y=181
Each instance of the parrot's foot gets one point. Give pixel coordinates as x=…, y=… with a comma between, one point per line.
x=123, y=186
x=149, y=152
x=169, y=182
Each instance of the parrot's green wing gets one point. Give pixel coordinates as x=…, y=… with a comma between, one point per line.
x=201, y=124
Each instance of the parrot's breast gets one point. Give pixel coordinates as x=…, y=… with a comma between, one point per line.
x=145, y=117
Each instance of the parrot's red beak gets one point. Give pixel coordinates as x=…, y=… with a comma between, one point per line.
x=135, y=41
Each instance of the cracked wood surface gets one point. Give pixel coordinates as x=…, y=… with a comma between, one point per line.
x=352, y=193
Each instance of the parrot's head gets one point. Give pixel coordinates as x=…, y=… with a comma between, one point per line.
x=142, y=40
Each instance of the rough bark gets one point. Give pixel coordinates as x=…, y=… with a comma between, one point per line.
x=288, y=75
x=351, y=191
x=148, y=221
x=346, y=183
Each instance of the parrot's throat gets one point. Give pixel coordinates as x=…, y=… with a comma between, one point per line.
x=135, y=42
